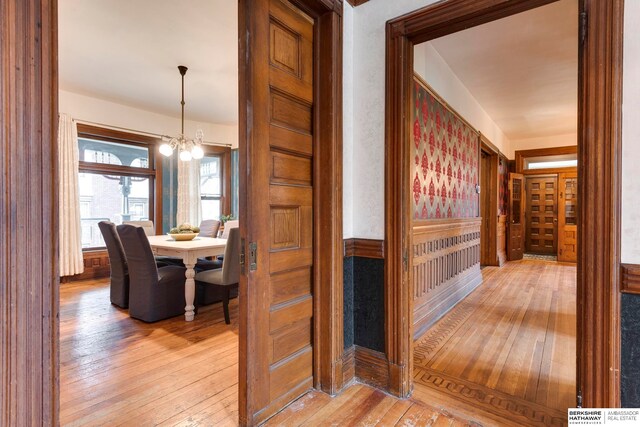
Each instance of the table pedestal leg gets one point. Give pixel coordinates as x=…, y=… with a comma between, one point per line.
x=189, y=292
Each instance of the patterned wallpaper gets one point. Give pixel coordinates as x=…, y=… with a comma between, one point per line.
x=503, y=176
x=446, y=154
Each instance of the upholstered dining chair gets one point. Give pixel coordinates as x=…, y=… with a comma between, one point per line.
x=228, y=226
x=149, y=228
x=154, y=293
x=119, y=288
x=209, y=228
x=228, y=276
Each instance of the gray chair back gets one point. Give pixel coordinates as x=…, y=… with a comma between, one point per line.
x=149, y=228
x=209, y=228
x=119, y=288
x=231, y=263
x=140, y=259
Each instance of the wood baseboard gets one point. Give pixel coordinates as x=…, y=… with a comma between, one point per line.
x=371, y=367
x=348, y=366
x=365, y=248
x=630, y=278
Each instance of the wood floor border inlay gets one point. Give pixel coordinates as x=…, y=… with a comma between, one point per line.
x=493, y=401
x=506, y=352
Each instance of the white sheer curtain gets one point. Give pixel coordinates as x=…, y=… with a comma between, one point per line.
x=70, y=230
x=189, y=205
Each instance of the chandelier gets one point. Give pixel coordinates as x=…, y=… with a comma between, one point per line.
x=187, y=148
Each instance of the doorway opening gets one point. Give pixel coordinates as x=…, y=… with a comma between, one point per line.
x=505, y=323
x=424, y=25
x=277, y=347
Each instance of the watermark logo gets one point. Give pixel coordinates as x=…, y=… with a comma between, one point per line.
x=603, y=416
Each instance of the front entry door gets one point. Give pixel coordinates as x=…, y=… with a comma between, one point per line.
x=515, y=243
x=567, y=217
x=276, y=211
x=542, y=215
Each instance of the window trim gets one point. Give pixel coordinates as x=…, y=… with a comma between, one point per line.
x=522, y=155
x=153, y=172
x=225, y=174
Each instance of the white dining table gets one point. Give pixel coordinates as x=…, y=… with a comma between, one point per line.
x=189, y=251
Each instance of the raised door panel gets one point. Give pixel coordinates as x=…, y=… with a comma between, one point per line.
x=515, y=241
x=290, y=201
x=278, y=350
x=567, y=217
x=541, y=215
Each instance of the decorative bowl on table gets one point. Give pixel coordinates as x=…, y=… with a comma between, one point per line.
x=184, y=232
x=182, y=236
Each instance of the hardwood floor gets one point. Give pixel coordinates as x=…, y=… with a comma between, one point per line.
x=117, y=371
x=361, y=405
x=506, y=355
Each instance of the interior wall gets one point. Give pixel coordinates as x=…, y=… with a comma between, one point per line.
x=82, y=107
x=429, y=65
x=630, y=381
x=368, y=91
x=347, y=122
x=630, y=132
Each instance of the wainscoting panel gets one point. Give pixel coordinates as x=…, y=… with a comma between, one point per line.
x=630, y=278
x=445, y=267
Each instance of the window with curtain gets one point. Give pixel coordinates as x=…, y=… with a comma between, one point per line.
x=211, y=186
x=116, y=180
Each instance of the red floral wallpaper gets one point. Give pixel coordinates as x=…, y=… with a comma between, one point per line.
x=503, y=176
x=446, y=153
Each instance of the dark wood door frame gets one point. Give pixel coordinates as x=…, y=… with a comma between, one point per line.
x=489, y=239
x=29, y=300
x=28, y=213
x=600, y=84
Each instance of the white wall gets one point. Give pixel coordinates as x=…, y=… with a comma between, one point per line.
x=367, y=143
x=347, y=123
x=86, y=108
x=631, y=136
x=429, y=65
x=545, y=142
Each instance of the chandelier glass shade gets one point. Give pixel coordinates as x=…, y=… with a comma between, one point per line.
x=187, y=148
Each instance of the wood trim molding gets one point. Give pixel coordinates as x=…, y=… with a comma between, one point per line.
x=365, y=248
x=328, y=259
x=29, y=219
x=522, y=155
x=371, y=367
x=355, y=3
x=630, y=278
x=599, y=168
x=348, y=365
x=600, y=79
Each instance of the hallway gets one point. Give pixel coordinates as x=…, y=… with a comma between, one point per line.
x=505, y=354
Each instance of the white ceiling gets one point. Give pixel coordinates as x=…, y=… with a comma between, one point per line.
x=523, y=69
x=128, y=52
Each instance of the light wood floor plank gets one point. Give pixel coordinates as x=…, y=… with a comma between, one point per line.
x=117, y=371
x=514, y=339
